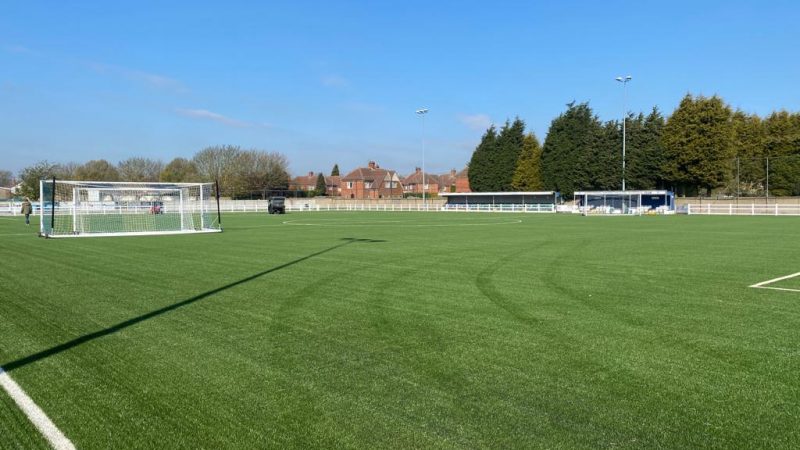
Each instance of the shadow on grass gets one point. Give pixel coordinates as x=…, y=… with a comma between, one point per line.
x=11, y=365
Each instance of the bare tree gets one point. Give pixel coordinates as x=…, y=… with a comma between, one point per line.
x=242, y=172
x=97, y=170
x=67, y=171
x=31, y=175
x=259, y=171
x=219, y=163
x=140, y=169
x=180, y=170
x=6, y=178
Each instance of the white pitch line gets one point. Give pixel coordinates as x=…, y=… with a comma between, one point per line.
x=774, y=280
x=776, y=288
x=35, y=414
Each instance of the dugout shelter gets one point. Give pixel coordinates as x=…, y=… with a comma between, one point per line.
x=544, y=201
x=625, y=202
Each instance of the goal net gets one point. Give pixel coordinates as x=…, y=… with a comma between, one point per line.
x=93, y=208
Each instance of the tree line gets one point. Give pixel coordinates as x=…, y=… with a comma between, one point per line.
x=241, y=173
x=703, y=148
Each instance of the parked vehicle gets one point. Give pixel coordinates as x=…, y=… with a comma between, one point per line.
x=277, y=205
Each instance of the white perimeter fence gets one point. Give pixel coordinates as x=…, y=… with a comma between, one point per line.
x=260, y=206
x=8, y=208
x=732, y=209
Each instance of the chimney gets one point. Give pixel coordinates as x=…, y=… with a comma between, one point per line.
x=418, y=170
x=371, y=165
x=453, y=173
x=310, y=174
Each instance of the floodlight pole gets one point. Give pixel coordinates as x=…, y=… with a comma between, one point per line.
x=422, y=112
x=624, y=81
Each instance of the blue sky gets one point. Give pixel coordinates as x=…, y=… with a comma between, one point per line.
x=338, y=82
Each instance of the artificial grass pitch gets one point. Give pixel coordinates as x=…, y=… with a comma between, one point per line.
x=408, y=330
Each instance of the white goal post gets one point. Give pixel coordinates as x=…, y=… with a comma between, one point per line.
x=104, y=208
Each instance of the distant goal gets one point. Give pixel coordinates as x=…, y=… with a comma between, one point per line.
x=99, y=208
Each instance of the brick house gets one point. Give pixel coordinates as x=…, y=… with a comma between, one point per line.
x=371, y=182
x=447, y=181
x=333, y=186
x=306, y=183
x=413, y=183
x=462, y=181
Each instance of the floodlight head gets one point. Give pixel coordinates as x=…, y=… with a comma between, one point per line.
x=422, y=111
x=618, y=78
x=628, y=78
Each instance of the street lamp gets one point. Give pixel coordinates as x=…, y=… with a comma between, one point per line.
x=422, y=112
x=624, y=81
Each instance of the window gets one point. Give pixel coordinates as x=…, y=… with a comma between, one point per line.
x=349, y=185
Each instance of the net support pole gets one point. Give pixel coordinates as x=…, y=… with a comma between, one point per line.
x=41, y=207
x=52, y=207
x=219, y=214
x=202, y=209
x=180, y=193
x=74, y=210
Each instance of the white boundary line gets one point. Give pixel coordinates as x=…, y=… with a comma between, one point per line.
x=763, y=284
x=401, y=224
x=35, y=414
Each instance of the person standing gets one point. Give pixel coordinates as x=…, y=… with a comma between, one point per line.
x=27, y=209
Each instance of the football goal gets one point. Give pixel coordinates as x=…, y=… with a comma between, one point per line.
x=99, y=208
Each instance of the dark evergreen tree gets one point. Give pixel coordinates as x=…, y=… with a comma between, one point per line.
x=566, y=152
x=528, y=174
x=749, y=135
x=645, y=152
x=321, y=188
x=698, y=141
x=509, y=148
x=480, y=176
x=604, y=165
x=782, y=145
x=335, y=171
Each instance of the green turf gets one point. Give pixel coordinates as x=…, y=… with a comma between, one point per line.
x=16, y=431
x=105, y=223
x=400, y=330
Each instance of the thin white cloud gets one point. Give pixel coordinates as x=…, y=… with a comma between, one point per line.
x=13, y=48
x=150, y=79
x=334, y=81
x=477, y=122
x=209, y=115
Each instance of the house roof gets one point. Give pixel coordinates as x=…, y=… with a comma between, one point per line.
x=416, y=178
x=305, y=180
x=366, y=174
x=447, y=179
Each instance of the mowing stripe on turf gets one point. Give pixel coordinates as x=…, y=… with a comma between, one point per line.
x=763, y=284
x=35, y=414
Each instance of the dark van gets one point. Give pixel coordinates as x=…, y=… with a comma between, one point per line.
x=277, y=205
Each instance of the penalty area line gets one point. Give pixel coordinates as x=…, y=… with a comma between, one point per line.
x=35, y=414
x=763, y=284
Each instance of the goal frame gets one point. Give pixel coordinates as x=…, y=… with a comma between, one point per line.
x=203, y=207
